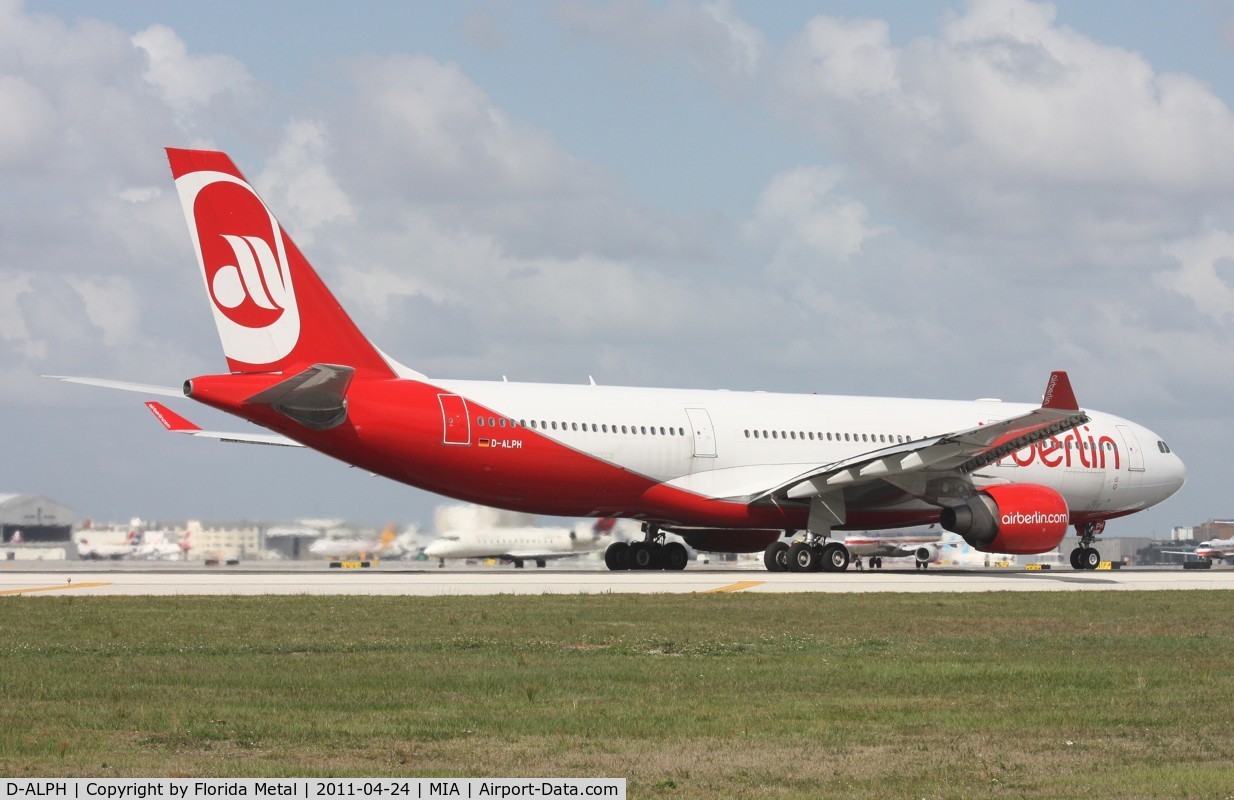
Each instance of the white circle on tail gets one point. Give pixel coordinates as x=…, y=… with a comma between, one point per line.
x=243, y=260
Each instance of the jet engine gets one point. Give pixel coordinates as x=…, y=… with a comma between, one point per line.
x=926, y=554
x=1018, y=518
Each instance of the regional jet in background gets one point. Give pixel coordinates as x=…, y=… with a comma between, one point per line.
x=387, y=545
x=727, y=471
x=1214, y=550
x=518, y=545
x=923, y=545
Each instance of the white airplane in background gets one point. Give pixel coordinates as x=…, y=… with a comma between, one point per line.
x=1217, y=550
x=924, y=546
x=518, y=545
x=387, y=545
x=726, y=471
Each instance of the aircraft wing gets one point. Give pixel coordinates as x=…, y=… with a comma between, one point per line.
x=959, y=453
x=178, y=424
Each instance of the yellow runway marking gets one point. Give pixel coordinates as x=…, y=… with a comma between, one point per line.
x=736, y=587
x=56, y=588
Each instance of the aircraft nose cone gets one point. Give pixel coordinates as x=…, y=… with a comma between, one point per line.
x=1179, y=473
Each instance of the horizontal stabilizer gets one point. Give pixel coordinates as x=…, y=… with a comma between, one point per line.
x=178, y=424
x=170, y=419
x=144, y=388
x=316, y=397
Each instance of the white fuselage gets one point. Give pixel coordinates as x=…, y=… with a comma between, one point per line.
x=734, y=445
x=529, y=543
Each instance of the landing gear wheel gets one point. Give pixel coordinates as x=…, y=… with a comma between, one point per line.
x=617, y=556
x=1091, y=558
x=802, y=558
x=835, y=557
x=775, y=557
x=675, y=556
x=642, y=556
x=518, y=563
x=541, y=563
x=1076, y=563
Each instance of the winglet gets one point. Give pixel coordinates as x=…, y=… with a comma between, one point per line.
x=1058, y=393
x=170, y=419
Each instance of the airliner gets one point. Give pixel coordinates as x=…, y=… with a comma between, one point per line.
x=1217, y=550
x=386, y=545
x=923, y=545
x=522, y=544
x=727, y=471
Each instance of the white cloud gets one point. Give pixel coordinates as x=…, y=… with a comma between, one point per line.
x=187, y=81
x=298, y=184
x=1009, y=120
x=800, y=208
x=26, y=120
x=1197, y=277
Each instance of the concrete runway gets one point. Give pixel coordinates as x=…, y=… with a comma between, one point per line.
x=83, y=579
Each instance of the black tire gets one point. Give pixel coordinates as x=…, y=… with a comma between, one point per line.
x=676, y=556
x=834, y=557
x=802, y=558
x=541, y=563
x=642, y=556
x=518, y=563
x=1075, y=558
x=1091, y=558
x=775, y=557
x=617, y=556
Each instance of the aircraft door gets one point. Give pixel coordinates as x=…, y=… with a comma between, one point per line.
x=456, y=425
x=704, y=434
x=1135, y=457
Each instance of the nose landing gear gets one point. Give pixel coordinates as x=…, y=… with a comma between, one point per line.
x=1086, y=556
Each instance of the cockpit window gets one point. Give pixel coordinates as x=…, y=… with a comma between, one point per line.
x=1162, y=446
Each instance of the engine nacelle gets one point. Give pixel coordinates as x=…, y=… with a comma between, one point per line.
x=1019, y=518
x=720, y=540
x=926, y=554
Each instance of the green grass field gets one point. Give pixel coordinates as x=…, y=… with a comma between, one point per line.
x=1112, y=694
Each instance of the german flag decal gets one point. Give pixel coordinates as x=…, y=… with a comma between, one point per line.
x=484, y=442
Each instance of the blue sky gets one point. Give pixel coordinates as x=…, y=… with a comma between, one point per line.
x=936, y=199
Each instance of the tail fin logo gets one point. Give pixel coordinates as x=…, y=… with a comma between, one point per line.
x=253, y=275
x=243, y=259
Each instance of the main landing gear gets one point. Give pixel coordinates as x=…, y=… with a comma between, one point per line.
x=808, y=555
x=651, y=553
x=1086, y=556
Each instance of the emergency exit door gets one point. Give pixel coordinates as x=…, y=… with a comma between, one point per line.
x=704, y=434
x=455, y=424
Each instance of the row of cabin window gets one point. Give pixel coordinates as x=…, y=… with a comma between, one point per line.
x=501, y=422
x=890, y=438
x=829, y=437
